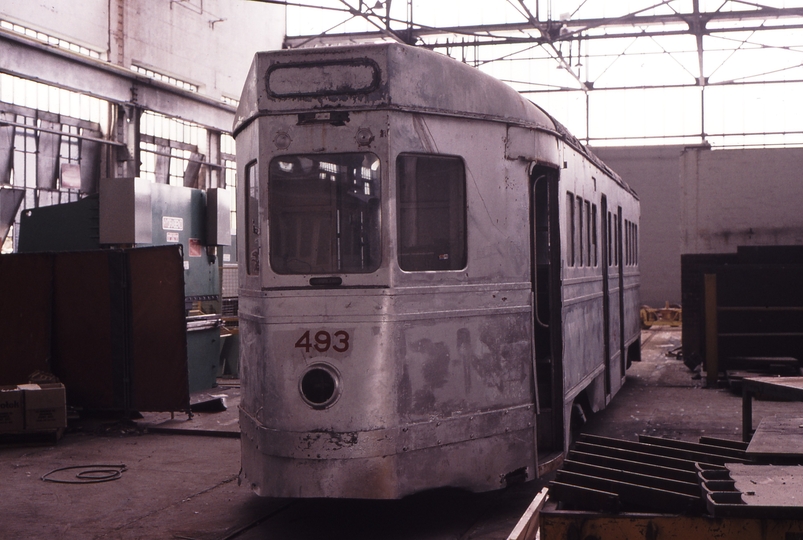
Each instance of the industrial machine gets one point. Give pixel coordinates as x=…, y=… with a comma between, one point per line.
x=129, y=213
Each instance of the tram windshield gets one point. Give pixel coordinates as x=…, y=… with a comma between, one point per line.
x=324, y=213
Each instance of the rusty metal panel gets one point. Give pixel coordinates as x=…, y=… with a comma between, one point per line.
x=83, y=329
x=159, y=380
x=652, y=475
x=26, y=286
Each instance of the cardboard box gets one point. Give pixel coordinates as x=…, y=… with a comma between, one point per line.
x=45, y=406
x=12, y=409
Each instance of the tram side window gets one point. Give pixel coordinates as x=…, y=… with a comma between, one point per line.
x=611, y=234
x=635, y=243
x=588, y=233
x=253, y=227
x=594, y=250
x=626, y=241
x=324, y=213
x=432, y=212
x=580, y=234
x=570, y=228
x=630, y=243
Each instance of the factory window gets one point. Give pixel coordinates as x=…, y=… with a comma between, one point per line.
x=570, y=228
x=173, y=81
x=172, y=151
x=50, y=146
x=323, y=211
x=228, y=160
x=252, y=221
x=431, y=212
x=52, y=40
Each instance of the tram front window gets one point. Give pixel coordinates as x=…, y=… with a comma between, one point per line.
x=324, y=213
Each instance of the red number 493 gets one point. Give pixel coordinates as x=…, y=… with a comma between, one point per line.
x=323, y=341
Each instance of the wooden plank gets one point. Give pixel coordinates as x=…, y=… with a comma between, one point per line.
x=711, y=332
x=527, y=527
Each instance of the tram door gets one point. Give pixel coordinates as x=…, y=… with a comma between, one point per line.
x=547, y=311
x=606, y=298
x=612, y=292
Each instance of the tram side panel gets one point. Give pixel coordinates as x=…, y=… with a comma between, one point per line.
x=582, y=277
x=468, y=350
x=632, y=280
x=612, y=246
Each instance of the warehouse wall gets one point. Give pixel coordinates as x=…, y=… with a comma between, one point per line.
x=84, y=23
x=733, y=198
x=654, y=172
x=208, y=43
x=698, y=200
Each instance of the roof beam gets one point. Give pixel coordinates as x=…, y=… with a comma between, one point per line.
x=555, y=31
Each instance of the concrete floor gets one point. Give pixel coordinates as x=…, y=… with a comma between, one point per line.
x=180, y=486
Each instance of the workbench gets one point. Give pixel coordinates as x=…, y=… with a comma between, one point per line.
x=779, y=388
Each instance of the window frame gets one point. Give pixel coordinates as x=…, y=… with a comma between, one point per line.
x=340, y=207
x=462, y=228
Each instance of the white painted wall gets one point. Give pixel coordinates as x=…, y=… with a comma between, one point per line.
x=654, y=172
x=698, y=200
x=733, y=198
x=209, y=43
x=188, y=39
x=84, y=22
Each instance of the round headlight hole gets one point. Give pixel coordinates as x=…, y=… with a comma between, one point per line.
x=319, y=386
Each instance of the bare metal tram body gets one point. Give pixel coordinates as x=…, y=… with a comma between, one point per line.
x=434, y=274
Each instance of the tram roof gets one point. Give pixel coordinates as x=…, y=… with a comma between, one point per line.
x=379, y=76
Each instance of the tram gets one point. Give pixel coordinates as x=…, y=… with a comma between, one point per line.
x=436, y=278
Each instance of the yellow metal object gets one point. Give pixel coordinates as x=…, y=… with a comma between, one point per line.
x=666, y=316
x=561, y=524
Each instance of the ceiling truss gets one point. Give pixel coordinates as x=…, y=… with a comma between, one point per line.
x=712, y=38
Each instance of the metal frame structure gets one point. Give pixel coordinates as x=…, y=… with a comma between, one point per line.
x=707, y=42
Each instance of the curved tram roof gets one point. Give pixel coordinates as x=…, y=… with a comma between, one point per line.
x=378, y=76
